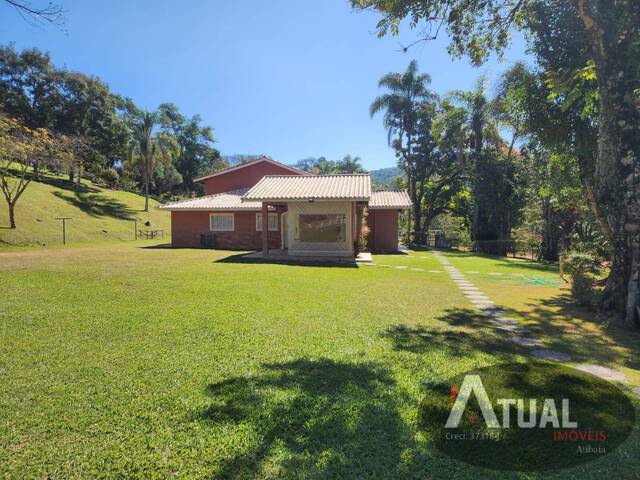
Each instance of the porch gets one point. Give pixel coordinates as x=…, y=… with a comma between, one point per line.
x=283, y=255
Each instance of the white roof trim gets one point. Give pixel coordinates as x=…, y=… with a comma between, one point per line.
x=263, y=158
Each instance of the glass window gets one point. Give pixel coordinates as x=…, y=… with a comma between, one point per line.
x=323, y=228
x=221, y=222
x=273, y=222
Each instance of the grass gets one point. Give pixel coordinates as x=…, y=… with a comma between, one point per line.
x=138, y=362
x=99, y=215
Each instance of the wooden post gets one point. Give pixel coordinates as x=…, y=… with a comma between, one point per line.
x=64, y=228
x=265, y=229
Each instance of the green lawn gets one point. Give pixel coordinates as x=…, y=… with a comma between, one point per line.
x=122, y=361
x=99, y=215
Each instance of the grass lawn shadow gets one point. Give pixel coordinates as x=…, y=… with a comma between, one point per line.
x=507, y=262
x=573, y=329
x=321, y=417
x=470, y=334
x=97, y=204
x=243, y=258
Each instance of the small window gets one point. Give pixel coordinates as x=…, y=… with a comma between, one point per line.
x=273, y=222
x=221, y=222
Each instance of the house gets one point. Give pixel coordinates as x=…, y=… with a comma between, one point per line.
x=266, y=205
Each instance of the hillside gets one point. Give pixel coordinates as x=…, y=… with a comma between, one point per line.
x=385, y=176
x=98, y=214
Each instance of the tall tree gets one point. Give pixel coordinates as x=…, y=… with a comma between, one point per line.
x=23, y=151
x=146, y=146
x=349, y=164
x=196, y=154
x=608, y=34
x=401, y=105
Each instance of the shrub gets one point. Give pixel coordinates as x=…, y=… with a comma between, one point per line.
x=586, y=275
x=110, y=177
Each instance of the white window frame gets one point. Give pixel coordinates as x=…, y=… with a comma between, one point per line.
x=272, y=228
x=224, y=215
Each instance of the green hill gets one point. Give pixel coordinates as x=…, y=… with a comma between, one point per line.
x=385, y=176
x=98, y=214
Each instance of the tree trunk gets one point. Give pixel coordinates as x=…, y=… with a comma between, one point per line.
x=146, y=184
x=611, y=28
x=146, y=194
x=12, y=215
x=417, y=216
x=549, y=235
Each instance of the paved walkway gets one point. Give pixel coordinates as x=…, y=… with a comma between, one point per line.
x=518, y=335
x=497, y=319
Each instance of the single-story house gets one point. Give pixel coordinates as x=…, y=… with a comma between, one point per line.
x=266, y=205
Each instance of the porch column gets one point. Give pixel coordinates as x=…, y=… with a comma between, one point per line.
x=265, y=229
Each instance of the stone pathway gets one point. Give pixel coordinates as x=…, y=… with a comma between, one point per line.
x=602, y=372
x=497, y=319
x=551, y=355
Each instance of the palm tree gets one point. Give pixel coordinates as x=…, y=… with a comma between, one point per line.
x=350, y=164
x=408, y=91
x=479, y=112
x=146, y=146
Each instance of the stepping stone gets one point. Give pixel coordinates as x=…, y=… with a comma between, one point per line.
x=400, y=266
x=388, y=266
x=495, y=273
x=494, y=311
x=505, y=320
x=512, y=329
x=369, y=264
x=600, y=371
x=472, y=271
x=470, y=290
x=526, y=342
x=481, y=304
x=476, y=296
x=435, y=271
x=417, y=269
x=551, y=355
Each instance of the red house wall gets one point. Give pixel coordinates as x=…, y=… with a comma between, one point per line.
x=383, y=230
x=245, y=177
x=186, y=228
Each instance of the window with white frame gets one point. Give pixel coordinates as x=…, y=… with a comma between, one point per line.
x=221, y=222
x=273, y=222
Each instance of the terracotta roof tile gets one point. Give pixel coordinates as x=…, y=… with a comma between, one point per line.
x=313, y=187
x=390, y=199
x=219, y=201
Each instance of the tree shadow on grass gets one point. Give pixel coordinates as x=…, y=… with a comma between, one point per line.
x=245, y=258
x=64, y=184
x=506, y=262
x=97, y=204
x=575, y=330
x=314, y=418
x=470, y=334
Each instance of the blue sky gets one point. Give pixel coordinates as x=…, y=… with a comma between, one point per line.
x=287, y=78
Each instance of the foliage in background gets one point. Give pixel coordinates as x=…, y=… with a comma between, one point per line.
x=322, y=166
x=23, y=153
x=100, y=126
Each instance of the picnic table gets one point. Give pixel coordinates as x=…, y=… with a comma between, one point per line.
x=151, y=234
